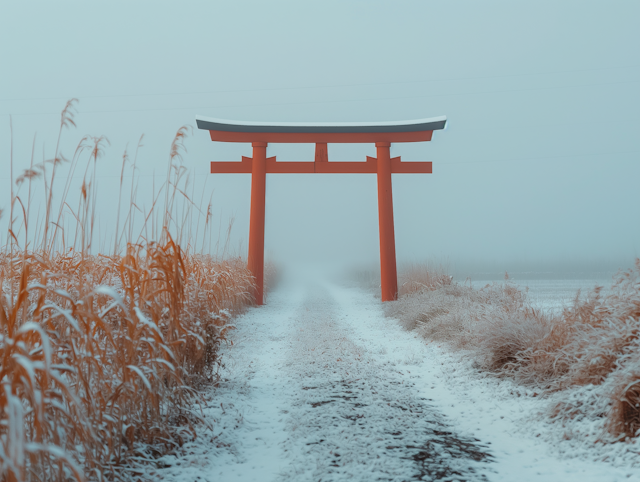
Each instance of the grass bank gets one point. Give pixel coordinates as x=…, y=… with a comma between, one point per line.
x=586, y=357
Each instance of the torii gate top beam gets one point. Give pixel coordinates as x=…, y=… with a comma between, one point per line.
x=321, y=132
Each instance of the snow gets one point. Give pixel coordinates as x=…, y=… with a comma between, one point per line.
x=321, y=124
x=319, y=385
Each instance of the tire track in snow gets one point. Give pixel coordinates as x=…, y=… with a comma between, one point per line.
x=302, y=400
x=352, y=418
x=304, y=397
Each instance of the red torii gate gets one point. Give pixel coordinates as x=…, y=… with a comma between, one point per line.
x=382, y=134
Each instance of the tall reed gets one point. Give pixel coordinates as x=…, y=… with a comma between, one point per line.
x=101, y=354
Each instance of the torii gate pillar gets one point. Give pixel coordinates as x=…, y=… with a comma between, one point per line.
x=256, y=224
x=379, y=133
x=388, y=272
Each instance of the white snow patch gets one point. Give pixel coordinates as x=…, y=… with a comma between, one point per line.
x=266, y=425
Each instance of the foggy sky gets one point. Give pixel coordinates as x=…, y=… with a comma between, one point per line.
x=539, y=164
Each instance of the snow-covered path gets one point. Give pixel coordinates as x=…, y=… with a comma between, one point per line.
x=320, y=386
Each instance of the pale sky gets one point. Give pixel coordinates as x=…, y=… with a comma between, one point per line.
x=539, y=165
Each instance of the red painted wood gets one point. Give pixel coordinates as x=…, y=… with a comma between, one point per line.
x=368, y=167
x=274, y=167
x=322, y=138
x=388, y=273
x=322, y=153
x=321, y=167
x=399, y=167
x=224, y=167
x=256, y=222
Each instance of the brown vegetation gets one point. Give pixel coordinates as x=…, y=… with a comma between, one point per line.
x=101, y=355
x=594, y=341
x=415, y=278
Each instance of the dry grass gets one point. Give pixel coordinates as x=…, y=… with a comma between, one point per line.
x=101, y=355
x=419, y=277
x=592, y=342
x=412, y=278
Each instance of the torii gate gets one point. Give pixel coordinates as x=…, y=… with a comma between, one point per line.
x=382, y=134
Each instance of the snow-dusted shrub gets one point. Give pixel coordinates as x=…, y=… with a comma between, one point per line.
x=452, y=312
x=420, y=277
x=624, y=416
x=605, y=329
x=594, y=342
x=523, y=344
x=604, y=348
x=439, y=313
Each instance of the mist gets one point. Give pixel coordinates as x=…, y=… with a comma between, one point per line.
x=536, y=172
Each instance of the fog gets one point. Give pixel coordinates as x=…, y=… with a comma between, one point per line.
x=537, y=170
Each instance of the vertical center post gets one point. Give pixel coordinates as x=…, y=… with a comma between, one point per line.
x=388, y=273
x=256, y=223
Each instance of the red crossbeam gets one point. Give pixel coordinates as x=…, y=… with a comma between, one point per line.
x=314, y=138
x=321, y=167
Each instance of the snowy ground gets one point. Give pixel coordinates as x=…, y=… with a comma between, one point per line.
x=320, y=386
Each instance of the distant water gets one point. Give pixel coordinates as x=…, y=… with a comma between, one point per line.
x=553, y=294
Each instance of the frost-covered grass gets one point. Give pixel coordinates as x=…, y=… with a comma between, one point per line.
x=586, y=357
x=412, y=278
x=102, y=354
